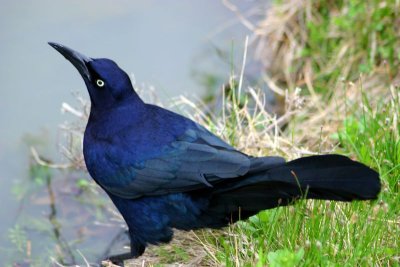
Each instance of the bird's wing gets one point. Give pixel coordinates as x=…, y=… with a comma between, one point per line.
x=195, y=160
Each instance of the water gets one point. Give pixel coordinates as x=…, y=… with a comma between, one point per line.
x=161, y=45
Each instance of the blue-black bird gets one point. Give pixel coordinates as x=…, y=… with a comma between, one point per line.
x=164, y=171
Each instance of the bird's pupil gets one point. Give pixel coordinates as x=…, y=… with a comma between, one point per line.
x=100, y=83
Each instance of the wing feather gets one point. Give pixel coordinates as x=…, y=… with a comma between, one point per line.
x=196, y=159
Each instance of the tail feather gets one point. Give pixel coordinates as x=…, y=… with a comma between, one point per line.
x=330, y=177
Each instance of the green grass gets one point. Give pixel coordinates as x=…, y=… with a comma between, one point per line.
x=340, y=40
x=372, y=134
x=319, y=42
x=323, y=233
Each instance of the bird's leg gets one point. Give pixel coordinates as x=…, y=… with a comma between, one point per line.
x=120, y=258
x=136, y=251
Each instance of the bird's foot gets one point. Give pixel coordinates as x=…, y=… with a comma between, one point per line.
x=116, y=260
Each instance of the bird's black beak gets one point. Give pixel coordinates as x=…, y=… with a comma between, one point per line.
x=76, y=58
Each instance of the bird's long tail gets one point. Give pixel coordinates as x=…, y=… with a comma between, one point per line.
x=330, y=177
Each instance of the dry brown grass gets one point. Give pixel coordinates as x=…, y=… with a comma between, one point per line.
x=283, y=36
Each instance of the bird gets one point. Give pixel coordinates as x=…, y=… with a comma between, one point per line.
x=164, y=171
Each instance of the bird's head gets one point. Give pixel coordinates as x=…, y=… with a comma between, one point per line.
x=108, y=85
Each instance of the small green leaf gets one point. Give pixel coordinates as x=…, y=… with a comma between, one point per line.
x=82, y=183
x=285, y=258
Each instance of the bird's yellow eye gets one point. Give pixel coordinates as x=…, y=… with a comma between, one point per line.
x=100, y=83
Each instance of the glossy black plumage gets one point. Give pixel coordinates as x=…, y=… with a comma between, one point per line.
x=164, y=171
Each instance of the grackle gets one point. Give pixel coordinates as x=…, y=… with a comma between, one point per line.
x=164, y=171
